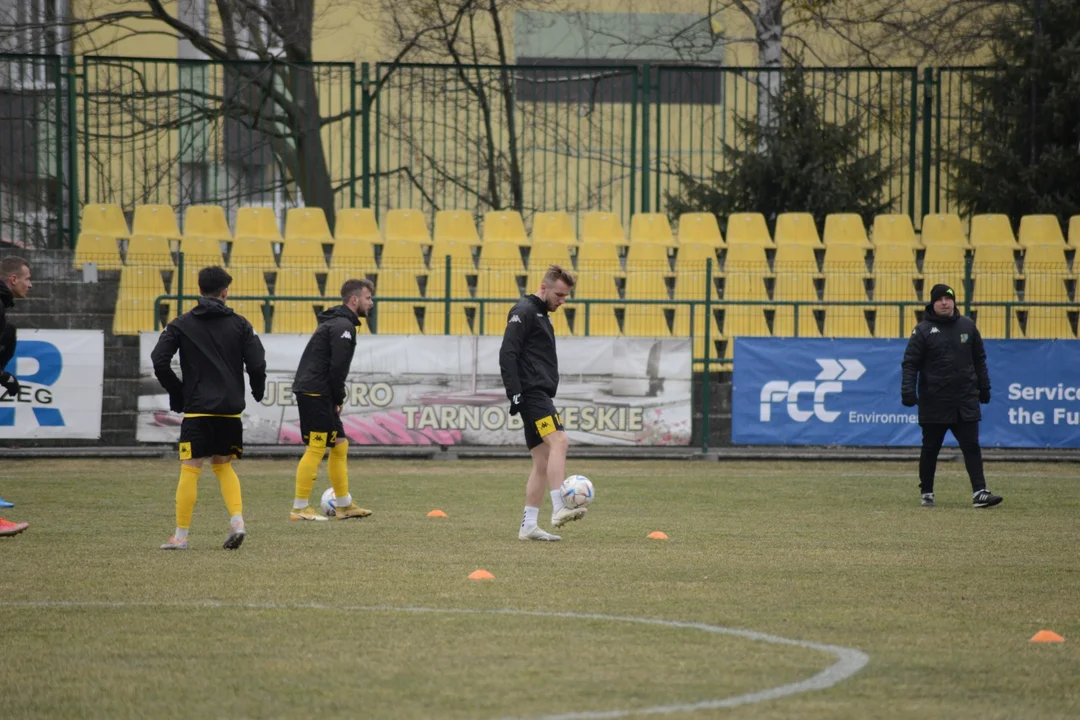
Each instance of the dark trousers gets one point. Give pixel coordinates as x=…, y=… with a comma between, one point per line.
x=7, y=346
x=967, y=434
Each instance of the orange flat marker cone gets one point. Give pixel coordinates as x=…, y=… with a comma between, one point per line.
x=1046, y=636
x=436, y=513
x=481, y=575
x=657, y=536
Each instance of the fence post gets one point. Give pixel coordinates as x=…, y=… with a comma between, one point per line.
x=633, y=141
x=73, y=153
x=446, y=313
x=708, y=358
x=180, y=282
x=928, y=118
x=968, y=260
x=913, y=142
x=365, y=134
x=646, y=79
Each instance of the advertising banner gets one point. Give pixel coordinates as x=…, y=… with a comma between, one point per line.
x=791, y=391
x=447, y=390
x=62, y=374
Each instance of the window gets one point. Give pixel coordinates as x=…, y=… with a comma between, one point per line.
x=27, y=28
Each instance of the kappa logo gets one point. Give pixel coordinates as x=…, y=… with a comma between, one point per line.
x=934, y=330
x=347, y=335
x=514, y=318
x=833, y=372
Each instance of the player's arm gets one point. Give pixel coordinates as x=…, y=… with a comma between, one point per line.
x=978, y=355
x=512, y=344
x=342, y=346
x=911, y=365
x=167, y=346
x=255, y=362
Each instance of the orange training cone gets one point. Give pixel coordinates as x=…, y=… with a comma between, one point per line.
x=436, y=513
x=1046, y=636
x=481, y=575
x=657, y=536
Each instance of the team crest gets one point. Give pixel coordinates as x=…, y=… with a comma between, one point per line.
x=963, y=337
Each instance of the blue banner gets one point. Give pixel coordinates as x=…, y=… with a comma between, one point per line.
x=791, y=391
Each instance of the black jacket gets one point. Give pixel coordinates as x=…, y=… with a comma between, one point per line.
x=947, y=358
x=324, y=366
x=527, y=358
x=215, y=346
x=7, y=333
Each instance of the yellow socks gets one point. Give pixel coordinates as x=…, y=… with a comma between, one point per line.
x=339, y=469
x=305, y=474
x=230, y=488
x=187, y=491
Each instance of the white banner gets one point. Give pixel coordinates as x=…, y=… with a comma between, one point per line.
x=61, y=373
x=447, y=390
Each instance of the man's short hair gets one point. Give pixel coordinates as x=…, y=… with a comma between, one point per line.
x=556, y=272
x=213, y=281
x=12, y=265
x=352, y=287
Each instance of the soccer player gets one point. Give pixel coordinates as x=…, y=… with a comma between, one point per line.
x=14, y=283
x=320, y=394
x=946, y=361
x=530, y=373
x=215, y=346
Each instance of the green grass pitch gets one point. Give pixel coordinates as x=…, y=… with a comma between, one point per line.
x=306, y=619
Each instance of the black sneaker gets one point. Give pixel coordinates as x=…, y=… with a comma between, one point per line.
x=927, y=500
x=985, y=498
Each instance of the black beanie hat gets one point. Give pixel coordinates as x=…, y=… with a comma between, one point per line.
x=939, y=291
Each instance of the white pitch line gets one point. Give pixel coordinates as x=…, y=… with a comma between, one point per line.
x=848, y=660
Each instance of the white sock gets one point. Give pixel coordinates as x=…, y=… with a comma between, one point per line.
x=180, y=534
x=343, y=501
x=236, y=522
x=556, y=500
x=299, y=504
x=531, y=513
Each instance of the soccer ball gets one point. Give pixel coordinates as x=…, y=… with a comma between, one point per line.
x=577, y=491
x=329, y=503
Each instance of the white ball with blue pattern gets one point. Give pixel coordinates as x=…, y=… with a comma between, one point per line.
x=577, y=491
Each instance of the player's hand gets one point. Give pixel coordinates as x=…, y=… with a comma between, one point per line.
x=10, y=383
x=984, y=396
x=909, y=400
x=176, y=401
x=515, y=404
x=258, y=393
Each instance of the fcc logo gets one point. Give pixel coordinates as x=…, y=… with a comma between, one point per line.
x=832, y=376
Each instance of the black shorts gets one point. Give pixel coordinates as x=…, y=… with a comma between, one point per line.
x=538, y=414
x=201, y=437
x=320, y=424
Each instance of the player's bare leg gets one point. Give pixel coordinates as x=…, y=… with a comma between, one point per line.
x=534, y=496
x=557, y=444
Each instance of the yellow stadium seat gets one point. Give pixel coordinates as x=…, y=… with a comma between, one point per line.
x=893, y=322
x=1045, y=273
x=104, y=220
x=302, y=253
x=796, y=228
x=397, y=284
x=257, y=222
x=1046, y=258
x=544, y=254
x=746, y=321
x=307, y=223
x=1040, y=230
x=598, y=256
x=844, y=287
x=845, y=258
x=682, y=326
x=455, y=226
x=295, y=316
x=1048, y=323
x=252, y=252
x=460, y=253
x=403, y=255
x=432, y=317
x=992, y=230
x=695, y=254
x=357, y=224
x=991, y=322
x=501, y=255
x=845, y=229
x=1074, y=231
x=646, y=285
x=408, y=225
x=745, y=270
x=748, y=229
x=647, y=320
x=560, y=322
x=895, y=273
x=946, y=264
x=993, y=271
x=601, y=318
x=504, y=226
x=396, y=318
x=651, y=256
x=206, y=221
x=894, y=230
x=459, y=280
x=691, y=279
x=139, y=288
x=202, y=251
x=246, y=282
x=700, y=228
x=651, y=228
x=155, y=220
x=602, y=227
x=843, y=321
x=943, y=230
x=1039, y=287
x=150, y=250
x=355, y=255
x=796, y=268
x=496, y=284
x=99, y=249
x=784, y=322
x=553, y=227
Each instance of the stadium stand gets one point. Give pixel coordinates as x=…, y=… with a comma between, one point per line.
x=553, y=227
x=700, y=228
